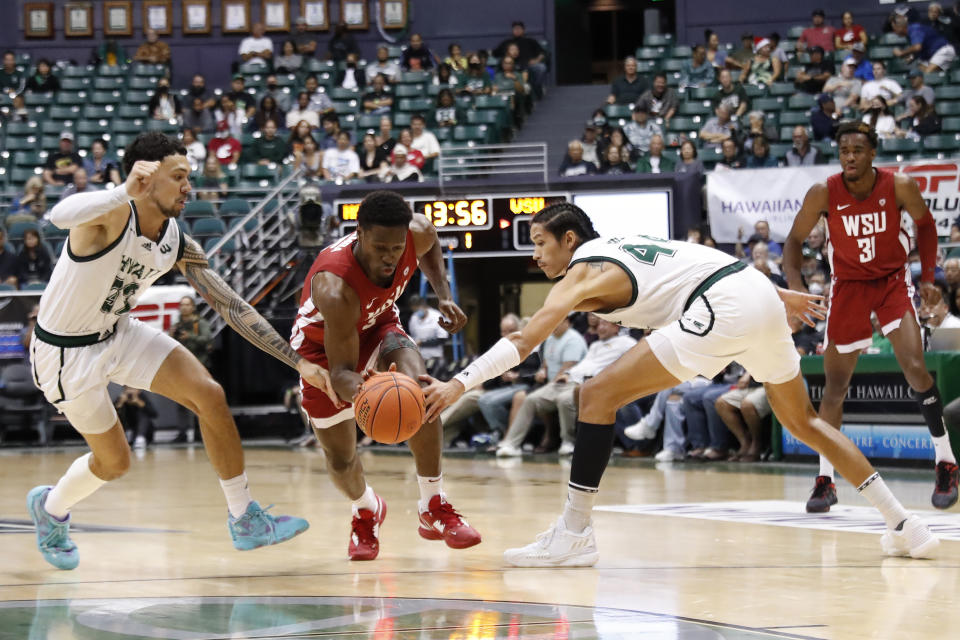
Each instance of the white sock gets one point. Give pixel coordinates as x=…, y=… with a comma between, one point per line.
x=875, y=490
x=367, y=501
x=429, y=487
x=577, y=509
x=826, y=468
x=941, y=448
x=237, y=491
x=75, y=485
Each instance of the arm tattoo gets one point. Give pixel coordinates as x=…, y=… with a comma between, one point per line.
x=243, y=318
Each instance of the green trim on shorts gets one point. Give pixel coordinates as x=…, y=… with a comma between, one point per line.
x=71, y=341
x=712, y=279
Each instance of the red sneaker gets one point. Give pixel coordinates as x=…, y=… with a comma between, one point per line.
x=442, y=522
x=365, y=532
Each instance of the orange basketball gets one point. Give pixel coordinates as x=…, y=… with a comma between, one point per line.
x=390, y=407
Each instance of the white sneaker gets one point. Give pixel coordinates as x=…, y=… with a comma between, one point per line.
x=668, y=455
x=556, y=547
x=566, y=448
x=140, y=443
x=641, y=430
x=914, y=539
x=506, y=451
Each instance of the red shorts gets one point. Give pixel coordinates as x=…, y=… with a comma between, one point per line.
x=380, y=339
x=851, y=301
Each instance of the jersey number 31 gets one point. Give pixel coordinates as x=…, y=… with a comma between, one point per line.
x=868, y=248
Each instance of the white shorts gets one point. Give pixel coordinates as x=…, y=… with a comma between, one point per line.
x=740, y=318
x=757, y=396
x=943, y=57
x=74, y=379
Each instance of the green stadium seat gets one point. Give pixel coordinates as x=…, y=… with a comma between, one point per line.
x=75, y=84
x=145, y=84
x=891, y=39
x=93, y=126
x=899, y=145
x=209, y=226
x=415, y=105
x=827, y=147
x=199, y=209
x=122, y=125
x=339, y=93
x=121, y=140
x=28, y=143
x=672, y=64
x=106, y=98
x=165, y=126
x=658, y=39
x=28, y=158
x=77, y=72
x=151, y=70
x=934, y=79
x=786, y=132
x=796, y=31
x=16, y=230
x=19, y=175
x=794, y=117
x=650, y=53
x=106, y=70
x=484, y=116
x=346, y=108
x=72, y=98
x=53, y=127
x=491, y=102
x=947, y=92
x=38, y=99
x=51, y=142
x=951, y=125
x=768, y=104
x=109, y=83
x=880, y=53
x=229, y=246
x=401, y=119
x=800, y=101
x=781, y=89
x=21, y=129
x=701, y=93
x=941, y=142
x=368, y=121
x=682, y=51
x=415, y=77
x=314, y=65
x=410, y=91
x=471, y=133
x=234, y=207
x=257, y=171
x=57, y=112
x=753, y=91
x=779, y=149
x=693, y=109
x=620, y=110
x=682, y=124
x=947, y=108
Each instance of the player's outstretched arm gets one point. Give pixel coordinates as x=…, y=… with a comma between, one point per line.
x=340, y=308
x=243, y=318
x=430, y=254
x=815, y=204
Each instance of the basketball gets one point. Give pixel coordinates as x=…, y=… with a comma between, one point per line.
x=390, y=407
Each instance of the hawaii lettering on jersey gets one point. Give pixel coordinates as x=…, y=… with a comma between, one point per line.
x=123, y=290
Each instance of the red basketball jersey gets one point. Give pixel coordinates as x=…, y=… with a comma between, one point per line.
x=376, y=303
x=867, y=239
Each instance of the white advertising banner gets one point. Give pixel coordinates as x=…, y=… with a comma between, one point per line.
x=159, y=306
x=736, y=200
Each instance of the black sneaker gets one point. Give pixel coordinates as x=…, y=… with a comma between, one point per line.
x=945, y=493
x=824, y=494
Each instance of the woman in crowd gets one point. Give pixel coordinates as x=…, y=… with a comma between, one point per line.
x=212, y=183
x=196, y=152
x=689, y=162
x=456, y=59
x=446, y=77
x=765, y=68
x=289, y=61
x=446, y=113
x=414, y=157
x=268, y=111
x=921, y=119
x=385, y=139
x=848, y=35
x=34, y=263
x=310, y=158
x=373, y=159
x=300, y=133
x=613, y=164
x=757, y=128
x=164, y=105
x=878, y=116
x=716, y=56
x=32, y=202
x=102, y=168
x=42, y=80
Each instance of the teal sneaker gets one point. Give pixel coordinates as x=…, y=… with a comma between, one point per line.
x=53, y=536
x=257, y=528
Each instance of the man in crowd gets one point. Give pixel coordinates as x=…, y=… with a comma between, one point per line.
x=815, y=73
x=655, y=161
x=153, y=51
x=423, y=141
x=573, y=163
x=697, y=71
x=305, y=43
x=819, y=34
x=257, y=48
x=718, y=128
x=825, y=120
x=661, y=101
x=532, y=57
x=383, y=66
x=801, y=153
x=268, y=148
x=62, y=163
x=733, y=96
x=12, y=81
x=628, y=88
x=926, y=43
x=425, y=328
x=641, y=129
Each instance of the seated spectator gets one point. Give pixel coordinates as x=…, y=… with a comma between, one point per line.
x=573, y=163
x=824, y=120
x=718, y=128
x=618, y=139
x=424, y=328
x=918, y=88
x=243, y=100
x=446, y=77
x=778, y=53
x=378, y=100
x=268, y=148
x=815, y=73
x=845, y=88
x=33, y=201
x=198, y=117
x=416, y=56
x=268, y=111
x=414, y=156
x=212, y=182
x=881, y=85
x=863, y=68
x=110, y=53
x=372, y=159
x=921, y=119
x=761, y=234
x=819, y=34
x=802, y=153
x=757, y=126
x=848, y=34
x=732, y=96
x=612, y=163
x=330, y=123
x=641, y=129
x=760, y=158
x=655, y=161
x=742, y=411
x=12, y=81
x=198, y=89
x=509, y=76
x=100, y=167
x=878, y=116
x=289, y=61
x=716, y=55
x=281, y=96
x=446, y=114
x=306, y=44
x=309, y=158
x=385, y=139
x=223, y=146
x=667, y=409
x=298, y=135
x=591, y=141
x=383, y=66
x=62, y=163
x=761, y=260
x=455, y=60
x=926, y=43
x=302, y=112
x=765, y=69
x=256, y=48
x=136, y=414
x=660, y=100
x=742, y=58
x=153, y=51
x=936, y=18
x=351, y=76
x=80, y=184
x=689, y=162
x=628, y=88
x=697, y=71
x=341, y=164
x=319, y=100
x=196, y=152
x=34, y=262
x=400, y=170
x=531, y=57
x=342, y=44
x=476, y=81
x=731, y=156
x=229, y=114
x=163, y=104
x=42, y=80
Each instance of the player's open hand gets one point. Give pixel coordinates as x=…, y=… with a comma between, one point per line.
x=453, y=318
x=803, y=306
x=439, y=395
x=930, y=295
x=370, y=371
x=318, y=377
x=140, y=177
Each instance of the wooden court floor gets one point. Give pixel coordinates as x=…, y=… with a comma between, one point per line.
x=688, y=551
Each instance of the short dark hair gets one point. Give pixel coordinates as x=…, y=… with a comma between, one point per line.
x=330, y=117
x=659, y=74
x=518, y=23
x=103, y=143
x=851, y=127
x=151, y=145
x=385, y=209
x=9, y=52
x=566, y=216
x=418, y=116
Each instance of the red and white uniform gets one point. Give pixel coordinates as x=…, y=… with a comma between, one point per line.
x=867, y=247
x=379, y=317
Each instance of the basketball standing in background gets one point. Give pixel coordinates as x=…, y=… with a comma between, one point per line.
x=348, y=322
x=868, y=247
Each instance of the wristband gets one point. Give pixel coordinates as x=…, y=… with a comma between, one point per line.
x=499, y=359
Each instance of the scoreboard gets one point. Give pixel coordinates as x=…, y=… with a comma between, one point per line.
x=489, y=225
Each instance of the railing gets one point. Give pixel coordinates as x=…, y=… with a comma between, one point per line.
x=486, y=160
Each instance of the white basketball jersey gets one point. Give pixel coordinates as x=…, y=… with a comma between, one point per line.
x=88, y=294
x=664, y=274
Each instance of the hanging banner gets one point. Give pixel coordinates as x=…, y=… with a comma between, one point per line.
x=737, y=200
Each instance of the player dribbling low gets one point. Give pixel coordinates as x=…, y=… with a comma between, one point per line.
x=707, y=309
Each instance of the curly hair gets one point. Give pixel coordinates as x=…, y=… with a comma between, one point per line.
x=385, y=209
x=854, y=127
x=151, y=145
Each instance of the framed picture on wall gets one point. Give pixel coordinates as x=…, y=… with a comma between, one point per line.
x=316, y=14
x=353, y=13
x=196, y=16
x=275, y=15
x=236, y=16
x=38, y=19
x=78, y=19
x=118, y=18
x=393, y=14
x=158, y=15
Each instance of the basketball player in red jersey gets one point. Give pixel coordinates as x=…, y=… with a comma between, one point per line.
x=348, y=322
x=868, y=247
